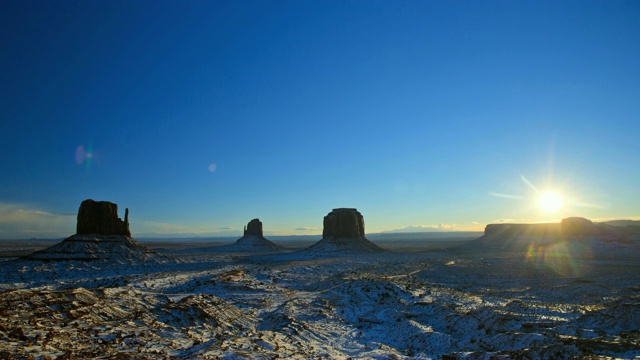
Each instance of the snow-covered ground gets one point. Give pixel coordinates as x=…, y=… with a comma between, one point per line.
x=468, y=301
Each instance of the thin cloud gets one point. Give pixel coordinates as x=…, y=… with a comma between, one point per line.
x=501, y=221
x=23, y=221
x=421, y=228
x=507, y=196
x=306, y=229
x=522, y=221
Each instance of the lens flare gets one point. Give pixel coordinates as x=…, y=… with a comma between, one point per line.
x=565, y=257
x=83, y=156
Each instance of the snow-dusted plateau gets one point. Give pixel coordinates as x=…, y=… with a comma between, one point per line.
x=454, y=300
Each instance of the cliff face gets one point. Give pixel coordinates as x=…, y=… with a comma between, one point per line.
x=343, y=223
x=254, y=227
x=577, y=226
x=101, y=217
x=344, y=232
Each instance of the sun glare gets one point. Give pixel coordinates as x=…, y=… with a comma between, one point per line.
x=550, y=202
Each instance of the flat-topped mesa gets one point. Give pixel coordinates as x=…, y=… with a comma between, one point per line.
x=569, y=229
x=343, y=223
x=578, y=226
x=254, y=227
x=344, y=232
x=101, y=217
x=536, y=230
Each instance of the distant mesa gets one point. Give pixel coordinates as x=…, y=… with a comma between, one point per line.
x=572, y=228
x=101, y=235
x=542, y=230
x=252, y=240
x=344, y=231
x=577, y=226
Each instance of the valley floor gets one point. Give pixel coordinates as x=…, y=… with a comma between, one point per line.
x=456, y=302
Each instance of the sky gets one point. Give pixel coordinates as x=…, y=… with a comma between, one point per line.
x=199, y=116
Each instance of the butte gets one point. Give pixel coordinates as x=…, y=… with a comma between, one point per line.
x=100, y=235
x=343, y=231
x=253, y=240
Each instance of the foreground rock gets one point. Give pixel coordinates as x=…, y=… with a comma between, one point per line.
x=101, y=235
x=344, y=231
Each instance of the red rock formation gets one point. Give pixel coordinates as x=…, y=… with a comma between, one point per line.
x=343, y=223
x=101, y=217
x=577, y=226
x=102, y=236
x=254, y=227
x=344, y=232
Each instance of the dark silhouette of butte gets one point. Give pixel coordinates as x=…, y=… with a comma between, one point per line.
x=572, y=229
x=100, y=235
x=253, y=240
x=101, y=217
x=343, y=230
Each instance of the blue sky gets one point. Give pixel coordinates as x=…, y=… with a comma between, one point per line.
x=201, y=115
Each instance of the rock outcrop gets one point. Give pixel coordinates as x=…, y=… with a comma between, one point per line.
x=343, y=231
x=343, y=223
x=101, y=217
x=101, y=235
x=251, y=241
x=577, y=226
x=254, y=227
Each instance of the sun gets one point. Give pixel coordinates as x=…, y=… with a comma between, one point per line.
x=550, y=202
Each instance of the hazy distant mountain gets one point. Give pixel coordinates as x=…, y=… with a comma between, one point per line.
x=622, y=222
